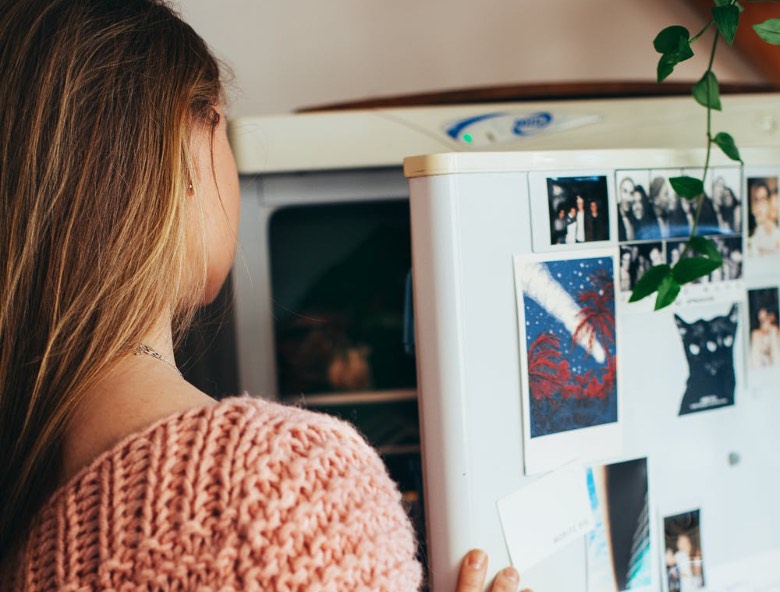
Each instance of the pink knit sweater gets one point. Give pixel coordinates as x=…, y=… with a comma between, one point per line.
x=244, y=495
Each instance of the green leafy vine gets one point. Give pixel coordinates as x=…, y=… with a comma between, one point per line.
x=700, y=257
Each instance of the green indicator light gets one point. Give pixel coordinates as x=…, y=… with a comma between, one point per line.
x=467, y=138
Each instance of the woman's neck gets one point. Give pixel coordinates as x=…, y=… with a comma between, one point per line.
x=138, y=391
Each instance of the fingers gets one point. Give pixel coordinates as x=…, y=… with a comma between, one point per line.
x=506, y=580
x=472, y=572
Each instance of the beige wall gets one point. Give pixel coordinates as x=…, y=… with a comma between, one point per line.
x=292, y=53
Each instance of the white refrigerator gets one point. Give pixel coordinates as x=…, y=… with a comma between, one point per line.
x=595, y=443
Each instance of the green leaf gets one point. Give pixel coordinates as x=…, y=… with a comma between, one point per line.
x=722, y=2
x=726, y=143
x=706, y=247
x=727, y=19
x=687, y=187
x=673, y=42
x=692, y=268
x=669, y=40
x=649, y=282
x=667, y=292
x=769, y=30
x=707, y=92
x=665, y=67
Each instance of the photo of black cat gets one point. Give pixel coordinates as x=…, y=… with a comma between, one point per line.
x=709, y=348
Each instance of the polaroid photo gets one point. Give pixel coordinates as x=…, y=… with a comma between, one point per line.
x=763, y=343
x=631, y=187
x=762, y=239
x=763, y=224
x=569, y=211
x=709, y=343
x=683, y=560
x=636, y=259
x=619, y=548
x=566, y=313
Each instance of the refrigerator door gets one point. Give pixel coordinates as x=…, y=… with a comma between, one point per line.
x=471, y=215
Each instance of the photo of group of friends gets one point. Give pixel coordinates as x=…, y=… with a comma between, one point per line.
x=579, y=211
x=683, y=556
x=654, y=222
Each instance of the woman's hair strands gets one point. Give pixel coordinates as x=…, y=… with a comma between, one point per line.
x=99, y=101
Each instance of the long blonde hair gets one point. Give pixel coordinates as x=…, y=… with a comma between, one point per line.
x=99, y=98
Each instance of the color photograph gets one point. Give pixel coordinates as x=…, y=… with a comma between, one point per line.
x=763, y=337
x=684, y=564
x=579, y=211
x=619, y=548
x=763, y=227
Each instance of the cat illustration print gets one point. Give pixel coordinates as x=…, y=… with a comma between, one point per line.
x=709, y=348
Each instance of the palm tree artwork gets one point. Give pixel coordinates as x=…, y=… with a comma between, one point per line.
x=569, y=309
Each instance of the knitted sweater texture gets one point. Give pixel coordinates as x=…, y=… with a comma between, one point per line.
x=243, y=495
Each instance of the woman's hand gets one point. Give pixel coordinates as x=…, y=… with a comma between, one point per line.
x=473, y=570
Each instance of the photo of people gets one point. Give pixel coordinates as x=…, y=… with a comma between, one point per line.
x=637, y=219
x=726, y=201
x=579, y=210
x=650, y=209
x=730, y=248
x=674, y=214
x=764, y=310
x=763, y=228
x=636, y=259
x=683, y=557
x=618, y=547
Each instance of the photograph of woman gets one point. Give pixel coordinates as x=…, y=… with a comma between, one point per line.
x=763, y=223
x=764, y=310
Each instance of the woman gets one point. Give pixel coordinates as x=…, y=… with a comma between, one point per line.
x=646, y=225
x=118, y=217
x=764, y=233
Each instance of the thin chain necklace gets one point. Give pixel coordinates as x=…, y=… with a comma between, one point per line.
x=145, y=349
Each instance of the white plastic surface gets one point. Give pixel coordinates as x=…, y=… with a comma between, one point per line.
x=465, y=229
x=384, y=137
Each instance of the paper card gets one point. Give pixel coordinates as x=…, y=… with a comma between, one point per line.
x=709, y=343
x=566, y=313
x=545, y=516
